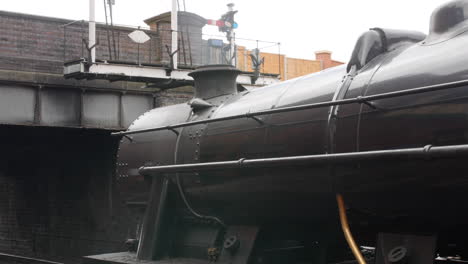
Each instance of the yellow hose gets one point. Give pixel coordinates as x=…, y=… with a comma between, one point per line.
x=347, y=231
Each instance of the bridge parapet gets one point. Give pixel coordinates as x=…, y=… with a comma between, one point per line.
x=34, y=92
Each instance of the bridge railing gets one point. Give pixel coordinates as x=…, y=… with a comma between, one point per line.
x=195, y=48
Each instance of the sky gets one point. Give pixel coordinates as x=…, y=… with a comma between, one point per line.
x=301, y=26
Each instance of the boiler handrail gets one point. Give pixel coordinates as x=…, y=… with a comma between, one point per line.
x=359, y=99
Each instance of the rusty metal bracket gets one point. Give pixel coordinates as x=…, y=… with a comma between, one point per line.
x=256, y=62
x=171, y=62
x=88, y=48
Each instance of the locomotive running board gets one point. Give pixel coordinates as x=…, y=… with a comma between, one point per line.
x=8, y=258
x=407, y=153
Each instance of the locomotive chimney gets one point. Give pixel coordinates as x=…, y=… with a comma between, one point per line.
x=215, y=80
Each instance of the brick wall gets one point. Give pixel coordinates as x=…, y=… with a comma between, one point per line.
x=301, y=67
x=22, y=40
x=190, y=41
x=275, y=63
x=43, y=44
x=56, y=194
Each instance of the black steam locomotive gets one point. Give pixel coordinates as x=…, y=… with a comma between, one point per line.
x=275, y=174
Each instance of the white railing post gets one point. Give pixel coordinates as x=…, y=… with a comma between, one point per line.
x=174, y=29
x=92, y=30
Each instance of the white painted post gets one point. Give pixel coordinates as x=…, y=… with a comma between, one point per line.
x=233, y=40
x=92, y=30
x=174, y=29
x=285, y=68
x=233, y=49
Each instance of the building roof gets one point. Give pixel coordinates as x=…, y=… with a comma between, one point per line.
x=183, y=17
x=323, y=51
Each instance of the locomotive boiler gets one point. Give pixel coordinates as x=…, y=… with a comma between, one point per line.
x=254, y=176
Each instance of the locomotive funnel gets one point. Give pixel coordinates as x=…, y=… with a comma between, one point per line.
x=215, y=80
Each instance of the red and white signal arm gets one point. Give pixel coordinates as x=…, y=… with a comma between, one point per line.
x=212, y=22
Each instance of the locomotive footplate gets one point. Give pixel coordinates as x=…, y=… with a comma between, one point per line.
x=131, y=258
x=197, y=244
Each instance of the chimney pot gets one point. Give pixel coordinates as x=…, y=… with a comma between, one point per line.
x=323, y=55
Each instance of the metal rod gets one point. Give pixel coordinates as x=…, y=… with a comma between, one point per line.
x=107, y=32
x=116, y=48
x=183, y=47
x=82, y=38
x=359, y=99
x=231, y=35
x=150, y=46
x=413, y=153
x=64, y=43
x=138, y=53
x=188, y=42
x=218, y=36
x=233, y=58
x=72, y=22
x=65, y=36
x=116, y=56
x=347, y=231
x=279, y=60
